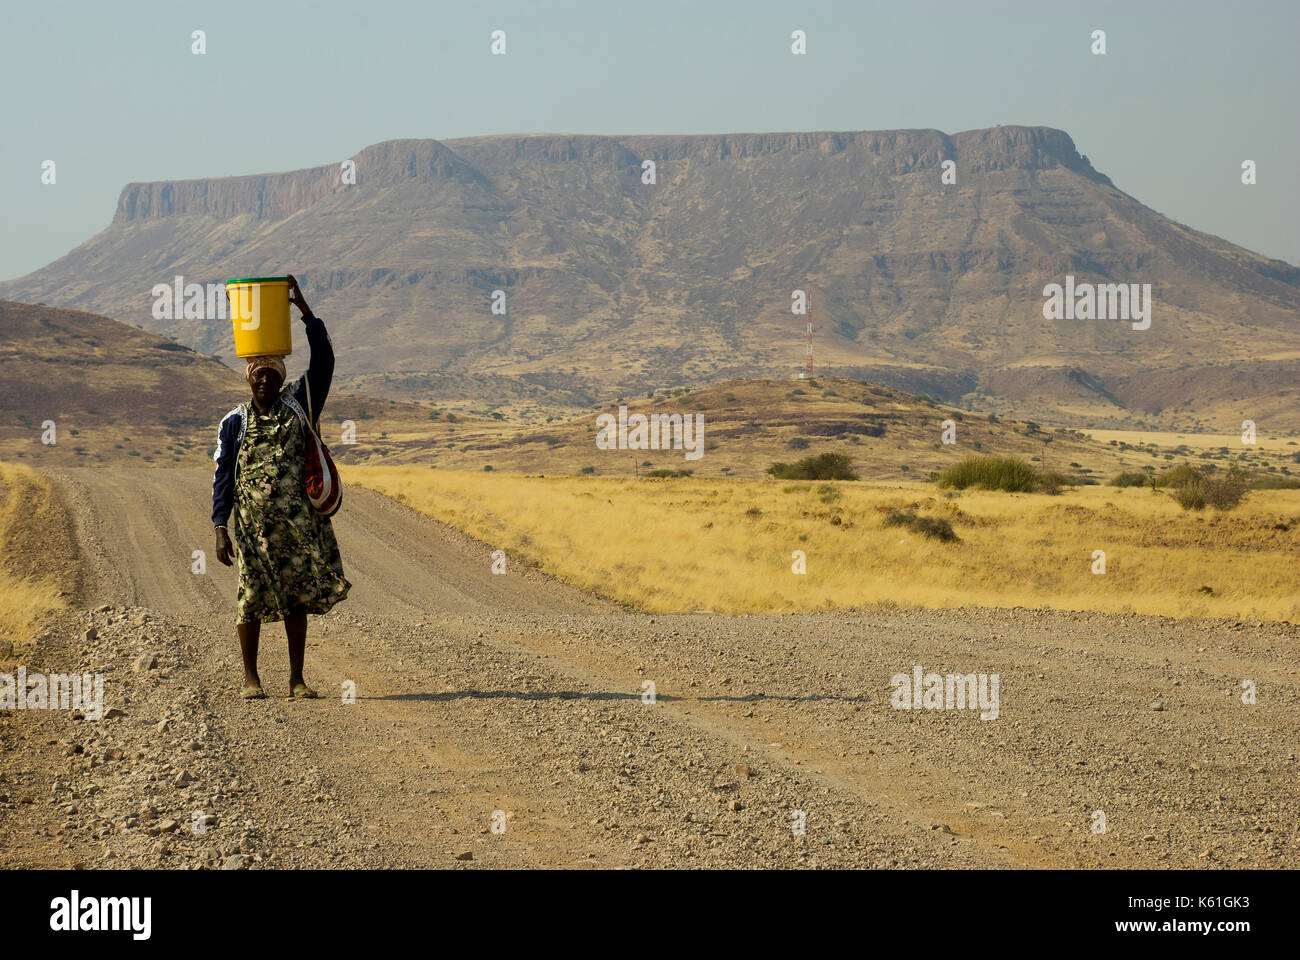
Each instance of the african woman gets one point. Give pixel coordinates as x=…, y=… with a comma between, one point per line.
x=289, y=562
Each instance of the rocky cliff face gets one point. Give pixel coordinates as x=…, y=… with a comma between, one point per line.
x=612, y=285
x=279, y=195
x=275, y=196
x=267, y=197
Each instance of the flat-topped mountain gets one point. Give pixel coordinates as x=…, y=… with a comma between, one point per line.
x=611, y=284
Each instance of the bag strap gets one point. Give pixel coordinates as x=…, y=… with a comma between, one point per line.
x=239, y=434
x=287, y=397
x=311, y=414
x=297, y=408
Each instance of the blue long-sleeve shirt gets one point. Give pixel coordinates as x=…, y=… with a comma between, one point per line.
x=320, y=372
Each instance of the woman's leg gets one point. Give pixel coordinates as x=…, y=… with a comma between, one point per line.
x=295, y=628
x=248, y=636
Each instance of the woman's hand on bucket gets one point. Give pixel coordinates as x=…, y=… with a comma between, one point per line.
x=296, y=297
x=225, y=549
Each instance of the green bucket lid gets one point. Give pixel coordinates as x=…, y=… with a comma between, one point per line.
x=258, y=280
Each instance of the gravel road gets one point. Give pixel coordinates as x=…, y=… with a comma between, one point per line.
x=502, y=721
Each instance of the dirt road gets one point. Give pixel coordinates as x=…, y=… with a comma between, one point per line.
x=501, y=721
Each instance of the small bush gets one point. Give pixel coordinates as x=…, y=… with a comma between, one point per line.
x=1130, y=478
x=899, y=518
x=798, y=443
x=990, y=473
x=1190, y=497
x=588, y=470
x=1008, y=474
x=1051, y=482
x=824, y=466
x=1178, y=477
x=1197, y=490
x=936, y=528
x=1226, y=492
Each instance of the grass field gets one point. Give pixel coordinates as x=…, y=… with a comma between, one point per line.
x=1198, y=441
x=727, y=545
x=24, y=600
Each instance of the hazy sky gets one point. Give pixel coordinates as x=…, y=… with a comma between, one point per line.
x=112, y=93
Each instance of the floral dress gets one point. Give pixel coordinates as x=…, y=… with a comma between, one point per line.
x=288, y=557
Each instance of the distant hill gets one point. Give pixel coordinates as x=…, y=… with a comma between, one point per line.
x=117, y=393
x=617, y=286
x=749, y=425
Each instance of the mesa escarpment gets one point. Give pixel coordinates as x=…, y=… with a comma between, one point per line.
x=608, y=280
x=280, y=195
x=276, y=196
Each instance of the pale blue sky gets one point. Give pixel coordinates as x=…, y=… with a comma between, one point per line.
x=112, y=93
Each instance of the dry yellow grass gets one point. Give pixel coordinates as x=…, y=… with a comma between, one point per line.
x=1199, y=441
x=24, y=601
x=726, y=544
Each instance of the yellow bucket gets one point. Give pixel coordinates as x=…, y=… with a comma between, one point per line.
x=259, y=309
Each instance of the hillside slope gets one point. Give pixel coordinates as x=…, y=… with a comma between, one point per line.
x=116, y=393
x=617, y=286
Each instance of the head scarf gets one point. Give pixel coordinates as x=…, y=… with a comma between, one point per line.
x=256, y=363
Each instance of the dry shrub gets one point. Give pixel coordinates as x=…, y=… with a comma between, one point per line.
x=935, y=527
x=1197, y=490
